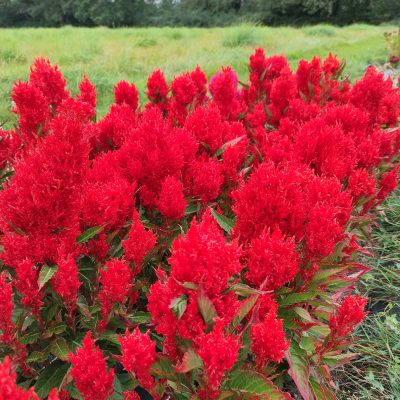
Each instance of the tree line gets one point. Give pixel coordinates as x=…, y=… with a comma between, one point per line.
x=201, y=13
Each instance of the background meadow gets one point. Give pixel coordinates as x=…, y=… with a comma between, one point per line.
x=108, y=55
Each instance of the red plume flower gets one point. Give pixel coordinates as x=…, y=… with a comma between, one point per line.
x=90, y=372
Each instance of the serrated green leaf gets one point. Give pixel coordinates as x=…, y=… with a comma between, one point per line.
x=36, y=356
x=29, y=338
x=226, y=145
x=294, y=298
x=245, y=308
x=140, y=317
x=89, y=233
x=242, y=289
x=60, y=349
x=46, y=274
x=206, y=306
x=110, y=337
x=224, y=222
x=190, y=361
x=299, y=369
x=178, y=305
x=52, y=376
x=253, y=383
x=163, y=368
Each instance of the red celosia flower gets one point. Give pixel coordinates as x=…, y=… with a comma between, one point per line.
x=273, y=261
x=55, y=395
x=127, y=93
x=204, y=179
x=49, y=80
x=361, y=184
x=90, y=372
x=87, y=92
x=219, y=352
x=138, y=355
x=388, y=183
x=157, y=87
x=183, y=89
x=131, y=395
x=66, y=281
x=8, y=388
x=32, y=109
x=268, y=340
x=139, y=242
x=350, y=313
x=27, y=285
x=6, y=310
x=376, y=95
x=171, y=202
x=115, y=282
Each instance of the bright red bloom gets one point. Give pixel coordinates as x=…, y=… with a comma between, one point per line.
x=361, y=184
x=157, y=87
x=127, y=93
x=49, y=80
x=87, y=92
x=273, y=261
x=27, y=285
x=171, y=202
x=350, y=313
x=131, y=395
x=116, y=282
x=6, y=310
x=139, y=242
x=8, y=388
x=66, y=281
x=388, y=183
x=138, y=355
x=33, y=111
x=90, y=372
x=219, y=352
x=268, y=340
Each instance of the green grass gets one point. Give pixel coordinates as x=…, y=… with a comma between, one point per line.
x=108, y=55
x=375, y=374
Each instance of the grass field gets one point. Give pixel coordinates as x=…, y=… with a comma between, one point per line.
x=108, y=55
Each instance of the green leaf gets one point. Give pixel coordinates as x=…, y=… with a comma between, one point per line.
x=36, y=356
x=89, y=233
x=140, y=317
x=226, y=145
x=190, y=361
x=110, y=337
x=245, y=308
x=51, y=377
x=206, y=306
x=323, y=274
x=29, y=338
x=299, y=369
x=46, y=274
x=253, y=383
x=192, y=209
x=294, y=298
x=242, y=289
x=178, y=305
x=224, y=222
x=163, y=368
x=60, y=349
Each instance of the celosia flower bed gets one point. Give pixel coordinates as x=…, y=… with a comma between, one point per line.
x=203, y=246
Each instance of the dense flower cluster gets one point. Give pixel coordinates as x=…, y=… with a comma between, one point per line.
x=90, y=372
x=197, y=244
